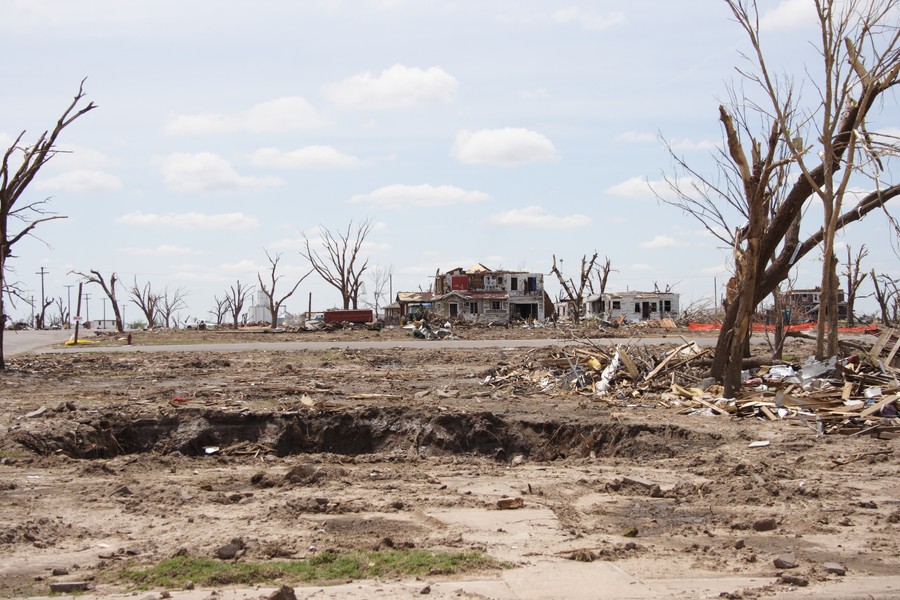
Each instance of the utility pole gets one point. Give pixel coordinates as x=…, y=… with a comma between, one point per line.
x=69, y=293
x=103, y=325
x=87, y=310
x=78, y=316
x=42, y=272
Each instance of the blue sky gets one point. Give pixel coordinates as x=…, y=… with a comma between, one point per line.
x=495, y=131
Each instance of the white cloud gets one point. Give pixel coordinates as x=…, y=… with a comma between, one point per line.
x=789, y=14
x=571, y=15
x=396, y=87
x=207, y=172
x=400, y=196
x=689, y=144
x=310, y=157
x=508, y=146
x=286, y=245
x=163, y=250
x=81, y=180
x=636, y=187
x=535, y=93
x=389, y=4
x=587, y=19
x=664, y=241
x=71, y=156
x=192, y=220
x=641, y=187
x=290, y=113
x=636, y=137
x=538, y=218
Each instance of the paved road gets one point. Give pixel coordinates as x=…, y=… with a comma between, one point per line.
x=41, y=342
x=18, y=342
x=410, y=343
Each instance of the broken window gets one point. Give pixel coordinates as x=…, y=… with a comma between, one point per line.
x=667, y=305
x=472, y=307
x=514, y=283
x=617, y=304
x=653, y=307
x=495, y=305
x=454, y=309
x=532, y=284
x=637, y=307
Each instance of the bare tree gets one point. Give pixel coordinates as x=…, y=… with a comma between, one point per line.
x=603, y=272
x=47, y=303
x=14, y=182
x=887, y=295
x=575, y=292
x=341, y=266
x=754, y=182
x=380, y=278
x=269, y=291
x=220, y=309
x=147, y=301
x=109, y=289
x=850, y=84
x=169, y=303
x=854, y=277
x=235, y=298
x=63, y=313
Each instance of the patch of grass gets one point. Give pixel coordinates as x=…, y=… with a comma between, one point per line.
x=326, y=567
x=336, y=354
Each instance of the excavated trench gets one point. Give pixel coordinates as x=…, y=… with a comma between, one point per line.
x=361, y=431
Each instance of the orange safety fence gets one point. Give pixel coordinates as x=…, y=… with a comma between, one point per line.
x=800, y=327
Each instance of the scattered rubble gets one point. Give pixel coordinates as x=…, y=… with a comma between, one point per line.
x=854, y=395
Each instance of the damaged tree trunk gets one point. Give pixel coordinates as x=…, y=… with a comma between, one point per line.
x=575, y=294
x=747, y=255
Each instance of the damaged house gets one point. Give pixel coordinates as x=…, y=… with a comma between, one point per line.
x=480, y=294
x=804, y=304
x=634, y=306
x=407, y=306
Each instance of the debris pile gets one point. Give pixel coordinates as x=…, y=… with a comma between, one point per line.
x=619, y=373
x=852, y=395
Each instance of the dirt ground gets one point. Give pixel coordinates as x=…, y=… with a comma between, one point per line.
x=107, y=459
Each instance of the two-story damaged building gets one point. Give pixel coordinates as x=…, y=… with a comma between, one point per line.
x=483, y=295
x=634, y=306
x=804, y=304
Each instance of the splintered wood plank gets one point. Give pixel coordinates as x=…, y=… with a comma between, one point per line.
x=878, y=348
x=890, y=357
x=847, y=391
x=878, y=406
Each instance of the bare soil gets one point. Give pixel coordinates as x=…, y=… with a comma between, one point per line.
x=137, y=457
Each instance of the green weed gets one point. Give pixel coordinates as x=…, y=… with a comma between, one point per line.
x=323, y=568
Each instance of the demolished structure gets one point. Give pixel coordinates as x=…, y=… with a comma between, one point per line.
x=482, y=295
